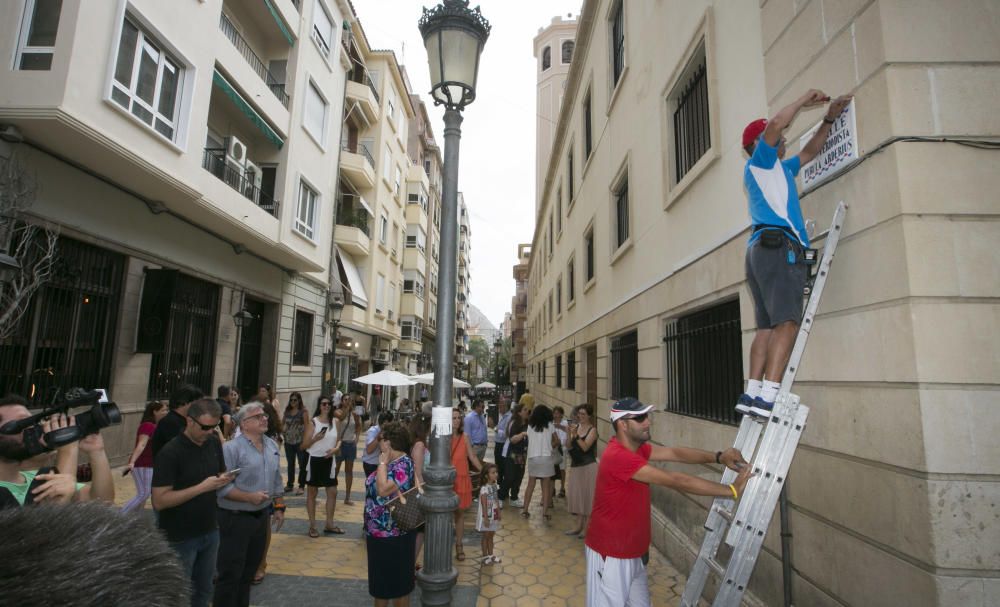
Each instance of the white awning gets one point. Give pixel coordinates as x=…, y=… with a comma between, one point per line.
x=365, y=206
x=354, y=281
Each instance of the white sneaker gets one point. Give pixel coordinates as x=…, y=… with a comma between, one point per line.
x=517, y=504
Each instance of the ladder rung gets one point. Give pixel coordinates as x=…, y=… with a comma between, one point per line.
x=726, y=514
x=716, y=567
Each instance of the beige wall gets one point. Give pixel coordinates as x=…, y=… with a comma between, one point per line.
x=894, y=487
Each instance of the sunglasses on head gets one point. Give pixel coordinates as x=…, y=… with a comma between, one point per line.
x=205, y=427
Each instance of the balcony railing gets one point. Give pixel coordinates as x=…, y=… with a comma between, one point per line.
x=361, y=76
x=215, y=163
x=360, y=148
x=255, y=62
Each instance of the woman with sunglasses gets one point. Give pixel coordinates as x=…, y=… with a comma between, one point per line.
x=293, y=420
x=321, y=442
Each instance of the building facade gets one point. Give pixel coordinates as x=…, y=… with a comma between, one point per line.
x=553, y=48
x=182, y=153
x=519, y=320
x=636, y=286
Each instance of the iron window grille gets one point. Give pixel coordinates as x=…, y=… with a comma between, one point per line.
x=66, y=336
x=189, y=354
x=588, y=127
x=588, y=245
x=618, y=43
x=571, y=370
x=621, y=212
x=559, y=371
x=704, y=363
x=302, y=339
x=567, y=51
x=546, y=58
x=692, y=132
x=625, y=365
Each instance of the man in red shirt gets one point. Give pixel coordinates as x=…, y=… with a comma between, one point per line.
x=619, y=532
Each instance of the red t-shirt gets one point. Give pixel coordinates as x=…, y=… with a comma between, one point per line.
x=619, y=523
x=145, y=459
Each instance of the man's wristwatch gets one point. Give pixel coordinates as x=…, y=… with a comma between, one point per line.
x=828, y=120
x=718, y=457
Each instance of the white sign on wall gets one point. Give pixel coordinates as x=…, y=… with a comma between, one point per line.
x=840, y=149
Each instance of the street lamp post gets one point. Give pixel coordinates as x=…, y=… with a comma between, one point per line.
x=454, y=36
x=336, y=311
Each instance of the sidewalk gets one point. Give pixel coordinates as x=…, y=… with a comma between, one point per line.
x=541, y=566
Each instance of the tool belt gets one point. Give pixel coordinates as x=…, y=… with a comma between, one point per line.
x=774, y=237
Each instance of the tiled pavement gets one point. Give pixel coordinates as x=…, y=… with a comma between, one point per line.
x=541, y=566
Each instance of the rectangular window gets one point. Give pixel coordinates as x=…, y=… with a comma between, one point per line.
x=559, y=295
x=550, y=308
x=559, y=211
x=621, y=212
x=302, y=339
x=147, y=81
x=395, y=237
x=571, y=370
x=399, y=181
x=588, y=126
x=188, y=355
x=305, y=213
x=588, y=247
x=625, y=366
x=383, y=229
x=416, y=238
x=322, y=31
x=67, y=334
x=413, y=282
x=37, y=42
x=551, y=236
x=380, y=293
x=570, y=178
x=617, y=42
x=571, y=279
x=692, y=133
x=387, y=163
x=411, y=328
x=315, y=113
x=559, y=371
x=704, y=353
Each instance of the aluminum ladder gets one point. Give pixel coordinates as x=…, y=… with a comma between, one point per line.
x=771, y=456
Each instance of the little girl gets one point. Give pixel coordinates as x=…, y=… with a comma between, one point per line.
x=488, y=521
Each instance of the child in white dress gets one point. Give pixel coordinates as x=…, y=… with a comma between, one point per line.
x=488, y=520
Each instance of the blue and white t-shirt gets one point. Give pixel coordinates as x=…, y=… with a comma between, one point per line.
x=774, y=199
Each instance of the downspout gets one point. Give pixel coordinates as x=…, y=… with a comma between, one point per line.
x=329, y=360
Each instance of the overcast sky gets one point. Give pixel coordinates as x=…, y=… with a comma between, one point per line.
x=497, y=168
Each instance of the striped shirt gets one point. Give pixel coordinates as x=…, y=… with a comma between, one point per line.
x=259, y=471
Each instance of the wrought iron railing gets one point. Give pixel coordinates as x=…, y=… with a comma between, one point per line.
x=361, y=76
x=278, y=88
x=692, y=133
x=361, y=148
x=705, y=363
x=235, y=177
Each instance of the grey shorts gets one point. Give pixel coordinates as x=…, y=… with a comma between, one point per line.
x=775, y=284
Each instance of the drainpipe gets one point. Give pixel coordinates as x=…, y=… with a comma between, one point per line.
x=330, y=359
x=786, y=546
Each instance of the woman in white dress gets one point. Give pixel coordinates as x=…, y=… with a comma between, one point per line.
x=321, y=442
x=542, y=440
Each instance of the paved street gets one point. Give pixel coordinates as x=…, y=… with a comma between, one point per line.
x=541, y=566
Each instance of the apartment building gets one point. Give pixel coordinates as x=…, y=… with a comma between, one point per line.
x=423, y=243
x=182, y=151
x=636, y=285
x=371, y=226
x=463, y=289
x=519, y=318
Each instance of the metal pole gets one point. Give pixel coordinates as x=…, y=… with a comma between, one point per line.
x=439, y=575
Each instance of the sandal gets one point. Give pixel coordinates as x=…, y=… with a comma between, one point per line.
x=525, y=514
x=313, y=532
x=459, y=553
x=258, y=579
x=334, y=530
x=488, y=559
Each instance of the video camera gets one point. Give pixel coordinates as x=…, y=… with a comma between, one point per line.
x=102, y=414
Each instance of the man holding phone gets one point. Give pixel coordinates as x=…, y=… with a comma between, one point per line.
x=186, y=473
x=245, y=505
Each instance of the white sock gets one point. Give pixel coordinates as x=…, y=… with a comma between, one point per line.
x=753, y=388
x=769, y=391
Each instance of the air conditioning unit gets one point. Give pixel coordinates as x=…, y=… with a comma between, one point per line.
x=236, y=152
x=382, y=356
x=252, y=179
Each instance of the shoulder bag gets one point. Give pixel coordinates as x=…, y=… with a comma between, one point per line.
x=405, y=508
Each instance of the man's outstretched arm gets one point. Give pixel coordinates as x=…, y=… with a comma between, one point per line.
x=815, y=144
x=777, y=125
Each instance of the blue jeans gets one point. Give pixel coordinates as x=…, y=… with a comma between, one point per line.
x=198, y=556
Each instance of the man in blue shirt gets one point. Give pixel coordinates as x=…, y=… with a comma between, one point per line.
x=475, y=429
x=775, y=270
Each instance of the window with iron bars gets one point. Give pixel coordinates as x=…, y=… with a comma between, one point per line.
x=625, y=366
x=66, y=337
x=704, y=363
x=621, y=212
x=571, y=370
x=559, y=370
x=189, y=354
x=692, y=133
x=617, y=42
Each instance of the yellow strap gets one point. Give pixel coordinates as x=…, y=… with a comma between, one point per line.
x=736, y=495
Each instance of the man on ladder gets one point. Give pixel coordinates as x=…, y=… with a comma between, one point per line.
x=775, y=265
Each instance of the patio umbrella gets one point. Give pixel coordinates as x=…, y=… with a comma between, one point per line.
x=487, y=385
x=385, y=377
x=428, y=378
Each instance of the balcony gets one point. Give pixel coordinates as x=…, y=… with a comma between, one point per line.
x=518, y=335
x=358, y=165
x=239, y=179
x=361, y=90
x=353, y=232
x=256, y=64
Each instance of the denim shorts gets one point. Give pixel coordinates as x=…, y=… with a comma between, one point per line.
x=348, y=451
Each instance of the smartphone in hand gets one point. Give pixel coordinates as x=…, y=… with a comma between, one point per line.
x=234, y=471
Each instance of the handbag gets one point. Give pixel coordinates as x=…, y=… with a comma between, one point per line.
x=405, y=508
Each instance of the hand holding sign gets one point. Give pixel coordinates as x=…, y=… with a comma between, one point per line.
x=837, y=106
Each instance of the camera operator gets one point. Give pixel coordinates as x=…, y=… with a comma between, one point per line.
x=18, y=469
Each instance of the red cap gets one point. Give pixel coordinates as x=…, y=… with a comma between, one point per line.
x=753, y=131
